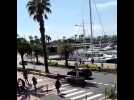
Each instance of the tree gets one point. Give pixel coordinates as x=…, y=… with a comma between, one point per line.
x=23, y=47
x=114, y=39
x=64, y=49
x=76, y=37
x=36, y=47
x=37, y=51
x=48, y=38
x=81, y=37
x=39, y=10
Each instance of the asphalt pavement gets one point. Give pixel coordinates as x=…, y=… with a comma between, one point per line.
x=94, y=91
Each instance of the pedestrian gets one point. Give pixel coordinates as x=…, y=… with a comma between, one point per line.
x=25, y=75
x=92, y=60
x=34, y=82
x=58, y=76
x=83, y=62
x=18, y=87
x=80, y=61
x=22, y=87
x=102, y=65
x=58, y=85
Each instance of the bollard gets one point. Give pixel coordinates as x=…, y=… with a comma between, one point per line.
x=105, y=92
x=47, y=88
x=86, y=97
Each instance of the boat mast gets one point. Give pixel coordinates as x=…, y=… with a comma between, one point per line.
x=83, y=34
x=90, y=9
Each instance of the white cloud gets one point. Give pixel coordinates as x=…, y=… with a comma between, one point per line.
x=107, y=4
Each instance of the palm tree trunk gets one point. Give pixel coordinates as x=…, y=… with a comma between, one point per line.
x=66, y=60
x=42, y=31
x=37, y=61
x=22, y=60
x=48, y=41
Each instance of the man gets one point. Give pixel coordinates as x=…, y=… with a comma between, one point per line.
x=25, y=75
x=34, y=82
x=58, y=85
x=80, y=61
x=92, y=60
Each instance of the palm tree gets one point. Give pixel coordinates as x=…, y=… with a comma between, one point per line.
x=31, y=43
x=64, y=37
x=37, y=51
x=39, y=9
x=81, y=37
x=64, y=49
x=48, y=38
x=23, y=47
x=75, y=37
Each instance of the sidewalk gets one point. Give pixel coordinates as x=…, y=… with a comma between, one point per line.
x=43, y=85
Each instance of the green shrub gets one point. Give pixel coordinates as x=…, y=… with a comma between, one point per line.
x=110, y=93
x=92, y=66
x=52, y=63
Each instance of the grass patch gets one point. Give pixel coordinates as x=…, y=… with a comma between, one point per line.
x=93, y=67
x=52, y=63
x=33, y=71
x=110, y=93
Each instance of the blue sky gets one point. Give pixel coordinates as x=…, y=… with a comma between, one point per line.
x=65, y=15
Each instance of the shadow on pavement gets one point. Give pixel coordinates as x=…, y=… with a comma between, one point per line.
x=37, y=93
x=91, y=78
x=91, y=85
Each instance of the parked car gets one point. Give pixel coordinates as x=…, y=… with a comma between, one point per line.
x=25, y=62
x=83, y=72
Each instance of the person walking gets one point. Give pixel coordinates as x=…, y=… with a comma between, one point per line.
x=92, y=60
x=102, y=65
x=80, y=61
x=34, y=82
x=25, y=75
x=58, y=85
x=18, y=87
x=22, y=87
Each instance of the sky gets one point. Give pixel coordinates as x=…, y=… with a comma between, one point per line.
x=65, y=15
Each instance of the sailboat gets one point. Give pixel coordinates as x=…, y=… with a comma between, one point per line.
x=99, y=54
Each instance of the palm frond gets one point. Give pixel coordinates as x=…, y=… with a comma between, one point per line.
x=37, y=8
x=45, y=16
x=48, y=10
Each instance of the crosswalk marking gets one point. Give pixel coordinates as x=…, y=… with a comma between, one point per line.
x=71, y=94
x=94, y=96
x=69, y=91
x=63, y=88
x=103, y=98
x=106, y=84
x=39, y=80
x=75, y=93
x=80, y=96
x=65, y=84
x=100, y=83
x=94, y=82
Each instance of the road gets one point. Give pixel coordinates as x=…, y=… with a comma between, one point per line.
x=100, y=81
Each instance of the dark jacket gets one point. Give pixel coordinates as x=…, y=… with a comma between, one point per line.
x=57, y=84
x=34, y=80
